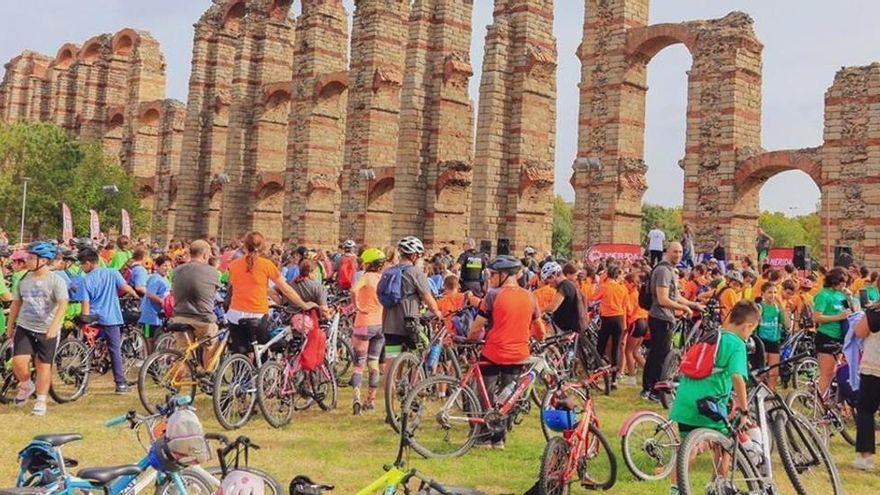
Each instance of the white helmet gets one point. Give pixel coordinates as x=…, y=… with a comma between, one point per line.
x=411, y=245
x=529, y=251
x=550, y=269
x=241, y=483
x=348, y=245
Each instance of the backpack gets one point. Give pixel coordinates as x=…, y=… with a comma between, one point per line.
x=390, y=288
x=185, y=437
x=583, y=310
x=345, y=276
x=312, y=355
x=699, y=360
x=646, y=292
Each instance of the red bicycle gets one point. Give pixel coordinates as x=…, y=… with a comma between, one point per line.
x=582, y=453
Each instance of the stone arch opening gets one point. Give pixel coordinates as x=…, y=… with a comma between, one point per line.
x=150, y=117
x=123, y=43
x=234, y=16
x=65, y=56
x=90, y=52
x=268, y=210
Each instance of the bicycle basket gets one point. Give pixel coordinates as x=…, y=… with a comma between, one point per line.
x=559, y=420
x=39, y=465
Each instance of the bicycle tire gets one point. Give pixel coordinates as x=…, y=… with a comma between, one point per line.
x=163, y=361
x=234, y=396
x=270, y=385
x=542, y=383
x=590, y=360
x=789, y=432
x=134, y=353
x=270, y=483
x=343, y=364
x=549, y=401
x=191, y=478
x=804, y=372
x=415, y=407
x=805, y=403
x=696, y=442
x=655, y=448
x=406, y=365
x=72, y=365
x=8, y=382
x=551, y=479
x=323, y=386
x=594, y=450
x=669, y=373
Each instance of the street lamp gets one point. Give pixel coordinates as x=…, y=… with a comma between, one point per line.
x=24, y=181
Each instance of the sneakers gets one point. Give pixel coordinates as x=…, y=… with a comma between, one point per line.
x=39, y=406
x=122, y=389
x=651, y=396
x=863, y=463
x=25, y=390
x=499, y=445
x=629, y=381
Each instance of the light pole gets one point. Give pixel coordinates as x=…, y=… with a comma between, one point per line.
x=23, y=208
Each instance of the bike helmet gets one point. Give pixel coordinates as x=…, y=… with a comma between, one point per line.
x=411, y=245
x=348, y=245
x=559, y=420
x=734, y=276
x=372, y=255
x=19, y=255
x=68, y=254
x=239, y=482
x=530, y=251
x=505, y=264
x=43, y=249
x=550, y=269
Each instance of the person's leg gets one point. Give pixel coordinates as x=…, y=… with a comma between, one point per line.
x=374, y=351
x=869, y=400
x=359, y=344
x=603, y=336
x=661, y=342
x=507, y=376
x=616, y=346
x=827, y=364
x=113, y=334
x=773, y=358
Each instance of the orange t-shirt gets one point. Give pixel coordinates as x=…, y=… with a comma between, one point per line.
x=636, y=312
x=250, y=289
x=544, y=296
x=448, y=304
x=615, y=298
x=512, y=310
x=588, y=288
x=369, y=310
x=727, y=299
x=690, y=290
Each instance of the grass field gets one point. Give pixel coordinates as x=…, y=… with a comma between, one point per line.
x=348, y=451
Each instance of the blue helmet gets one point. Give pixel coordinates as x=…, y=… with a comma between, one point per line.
x=559, y=419
x=43, y=249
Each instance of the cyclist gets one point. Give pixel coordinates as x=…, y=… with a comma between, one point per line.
x=512, y=311
x=155, y=289
x=368, y=340
x=613, y=309
x=308, y=288
x=38, y=307
x=122, y=254
x=564, y=305
x=194, y=288
x=727, y=295
x=19, y=267
x=529, y=260
x=832, y=306
x=138, y=277
x=637, y=320
x=348, y=265
x=869, y=387
x=101, y=299
x=5, y=296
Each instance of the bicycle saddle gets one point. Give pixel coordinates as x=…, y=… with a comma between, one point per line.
x=180, y=327
x=25, y=490
x=58, y=439
x=303, y=485
x=104, y=475
x=86, y=319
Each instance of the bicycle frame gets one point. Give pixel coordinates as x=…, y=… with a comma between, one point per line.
x=580, y=438
x=191, y=353
x=387, y=483
x=524, y=381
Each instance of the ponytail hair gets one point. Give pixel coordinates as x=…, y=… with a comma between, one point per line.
x=254, y=244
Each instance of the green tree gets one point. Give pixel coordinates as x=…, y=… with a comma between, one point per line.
x=669, y=220
x=61, y=169
x=563, y=226
x=788, y=232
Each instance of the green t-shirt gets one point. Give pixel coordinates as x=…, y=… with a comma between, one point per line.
x=3, y=291
x=873, y=293
x=15, y=279
x=119, y=259
x=732, y=359
x=830, y=302
x=770, y=328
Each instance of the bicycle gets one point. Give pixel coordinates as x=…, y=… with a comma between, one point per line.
x=684, y=335
x=174, y=373
x=230, y=455
x=578, y=453
x=830, y=411
x=57, y=390
x=738, y=463
x=649, y=443
x=339, y=329
x=580, y=357
x=441, y=403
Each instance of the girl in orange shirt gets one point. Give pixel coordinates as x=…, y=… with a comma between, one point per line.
x=638, y=328
x=368, y=340
x=613, y=309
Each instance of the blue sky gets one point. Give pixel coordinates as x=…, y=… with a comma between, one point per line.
x=806, y=42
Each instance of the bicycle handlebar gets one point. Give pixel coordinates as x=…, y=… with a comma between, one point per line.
x=116, y=421
x=428, y=481
x=793, y=359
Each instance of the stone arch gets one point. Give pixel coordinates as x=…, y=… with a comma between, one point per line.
x=151, y=116
x=268, y=210
x=233, y=15
x=648, y=41
x=91, y=50
x=331, y=85
x=381, y=192
x=321, y=195
x=125, y=41
x=759, y=168
x=66, y=56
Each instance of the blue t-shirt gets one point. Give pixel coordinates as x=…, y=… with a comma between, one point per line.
x=158, y=285
x=76, y=286
x=292, y=274
x=102, y=285
x=436, y=283
x=139, y=276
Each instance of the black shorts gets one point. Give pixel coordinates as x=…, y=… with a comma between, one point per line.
x=27, y=343
x=640, y=328
x=770, y=347
x=826, y=344
x=405, y=342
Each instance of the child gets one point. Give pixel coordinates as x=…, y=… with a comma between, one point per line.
x=638, y=328
x=453, y=300
x=368, y=339
x=156, y=288
x=774, y=322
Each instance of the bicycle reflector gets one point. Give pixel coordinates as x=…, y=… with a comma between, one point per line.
x=559, y=420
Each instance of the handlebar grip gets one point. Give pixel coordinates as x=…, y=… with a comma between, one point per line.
x=438, y=488
x=183, y=400
x=115, y=421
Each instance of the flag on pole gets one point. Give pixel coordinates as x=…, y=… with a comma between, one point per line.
x=94, y=225
x=126, y=224
x=66, y=223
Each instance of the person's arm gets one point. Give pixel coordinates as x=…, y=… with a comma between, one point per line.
x=537, y=321
x=556, y=302
x=13, y=316
x=55, y=327
x=740, y=394
x=664, y=300
x=284, y=288
x=153, y=297
x=477, y=327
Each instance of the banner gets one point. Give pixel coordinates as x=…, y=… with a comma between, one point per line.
x=617, y=251
x=126, y=224
x=94, y=225
x=66, y=223
x=779, y=257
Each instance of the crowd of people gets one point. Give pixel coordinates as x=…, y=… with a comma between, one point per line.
x=516, y=300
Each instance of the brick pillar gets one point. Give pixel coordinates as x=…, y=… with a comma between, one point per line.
x=375, y=77
x=435, y=159
x=316, y=146
x=92, y=68
x=62, y=87
x=21, y=88
x=168, y=170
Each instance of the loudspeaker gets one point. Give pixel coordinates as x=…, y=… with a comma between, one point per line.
x=801, y=259
x=503, y=246
x=843, y=256
x=486, y=247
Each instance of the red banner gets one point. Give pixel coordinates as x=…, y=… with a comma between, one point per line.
x=66, y=223
x=617, y=251
x=779, y=257
x=126, y=224
x=94, y=225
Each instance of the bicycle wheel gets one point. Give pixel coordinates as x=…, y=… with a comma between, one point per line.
x=405, y=372
x=553, y=480
x=134, y=353
x=344, y=356
x=441, y=417
x=701, y=468
x=597, y=469
x=827, y=422
x=194, y=482
x=8, y=382
x=275, y=405
x=270, y=484
x=164, y=374
x=71, y=377
x=669, y=373
x=544, y=381
x=649, y=444
x=806, y=371
x=235, y=392
x=165, y=341
x=573, y=396
x=321, y=386
x=804, y=457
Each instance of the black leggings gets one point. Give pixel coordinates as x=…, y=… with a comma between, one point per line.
x=500, y=376
x=243, y=334
x=869, y=401
x=612, y=328
x=661, y=343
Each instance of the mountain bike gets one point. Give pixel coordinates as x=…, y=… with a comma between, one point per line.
x=798, y=374
x=685, y=334
x=649, y=443
x=579, y=355
x=459, y=411
x=570, y=392
x=831, y=412
x=583, y=450
x=339, y=329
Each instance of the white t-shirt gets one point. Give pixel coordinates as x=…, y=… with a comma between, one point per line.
x=656, y=238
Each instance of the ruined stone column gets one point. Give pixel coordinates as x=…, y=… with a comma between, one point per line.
x=375, y=77
x=62, y=87
x=435, y=159
x=168, y=169
x=316, y=146
x=21, y=90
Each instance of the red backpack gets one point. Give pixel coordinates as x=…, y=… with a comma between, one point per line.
x=347, y=269
x=312, y=355
x=699, y=360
